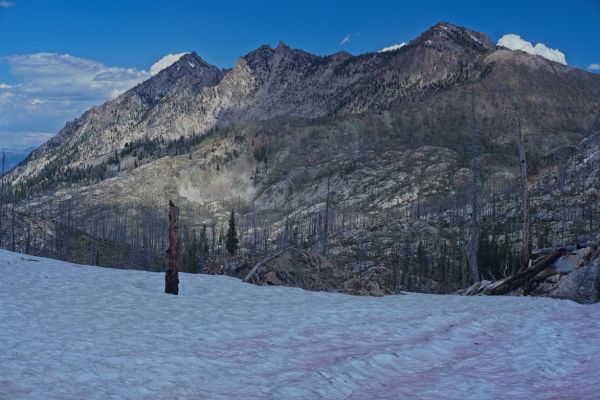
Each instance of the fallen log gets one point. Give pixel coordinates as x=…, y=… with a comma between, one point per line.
x=525, y=276
x=254, y=271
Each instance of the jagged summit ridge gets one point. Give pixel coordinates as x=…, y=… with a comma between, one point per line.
x=449, y=36
x=191, y=96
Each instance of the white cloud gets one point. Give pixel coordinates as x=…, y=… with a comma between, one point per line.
x=54, y=88
x=29, y=139
x=392, y=47
x=165, y=62
x=346, y=40
x=6, y=4
x=594, y=67
x=51, y=74
x=51, y=89
x=23, y=139
x=515, y=42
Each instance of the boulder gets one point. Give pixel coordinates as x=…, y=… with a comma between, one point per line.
x=573, y=276
x=567, y=264
x=585, y=252
x=563, y=265
x=213, y=268
x=305, y=269
x=361, y=287
x=581, y=285
x=492, y=285
x=476, y=288
x=309, y=270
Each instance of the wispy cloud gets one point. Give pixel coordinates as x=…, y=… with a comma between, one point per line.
x=345, y=40
x=515, y=42
x=165, y=62
x=594, y=67
x=24, y=139
x=51, y=89
x=6, y=4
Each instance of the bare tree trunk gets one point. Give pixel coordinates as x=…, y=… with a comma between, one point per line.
x=2, y=196
x=171, y=274
x=13, y=234
x=474, y=195
x=213, y=231
x=525, y=189
x=326, y=227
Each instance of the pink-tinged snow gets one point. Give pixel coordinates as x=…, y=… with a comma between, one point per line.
x=79, y=332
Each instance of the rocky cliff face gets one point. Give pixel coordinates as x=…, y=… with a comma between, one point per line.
x=191, y=96
x=389, y=131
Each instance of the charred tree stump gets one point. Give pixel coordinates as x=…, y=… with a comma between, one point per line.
x=171, y=273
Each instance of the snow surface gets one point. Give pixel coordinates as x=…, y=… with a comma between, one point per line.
x=80, y=332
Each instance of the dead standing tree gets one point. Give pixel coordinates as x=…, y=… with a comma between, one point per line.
x=524, y=187
x=2, y=195
x=171, y=273
x=326, y=226
x=474, y=242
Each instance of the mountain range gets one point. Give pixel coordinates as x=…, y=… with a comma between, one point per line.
x=366, y=157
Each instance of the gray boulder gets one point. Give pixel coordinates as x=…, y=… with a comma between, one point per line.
x=581, y=285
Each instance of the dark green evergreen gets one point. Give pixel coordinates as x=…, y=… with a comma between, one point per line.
x=231, y=242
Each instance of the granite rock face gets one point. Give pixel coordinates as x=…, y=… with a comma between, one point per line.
x=575, y=277
x=191, y=96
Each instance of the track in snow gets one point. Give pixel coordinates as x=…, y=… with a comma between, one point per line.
x=80, y=332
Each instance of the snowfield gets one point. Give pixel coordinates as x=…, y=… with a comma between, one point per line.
x=79, y=332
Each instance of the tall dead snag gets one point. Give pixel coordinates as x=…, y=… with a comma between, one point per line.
x=2, y=195
x=524, y=187
x=326, y=226
x=474, y=194
x=171, y=273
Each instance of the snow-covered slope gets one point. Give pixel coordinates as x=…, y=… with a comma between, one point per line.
x=80, y=332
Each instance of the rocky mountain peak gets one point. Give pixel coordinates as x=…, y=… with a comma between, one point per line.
x=190, y=71
x=191, y=96
x=194, y=59
x=281, y=46
x=444, y=35
x=192, y=65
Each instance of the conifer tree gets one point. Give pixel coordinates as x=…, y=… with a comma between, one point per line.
x=231, y=242
x=191, y=260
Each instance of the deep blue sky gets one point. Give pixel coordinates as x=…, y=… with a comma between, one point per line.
x=137, y=33
x=37, y=96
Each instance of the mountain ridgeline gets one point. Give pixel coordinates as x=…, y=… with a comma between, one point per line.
x=366, y=158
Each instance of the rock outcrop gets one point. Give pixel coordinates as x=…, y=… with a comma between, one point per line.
x=213, y=268
x=309, y=270
x=305, y=269
x=364, y=287
x=573, y=276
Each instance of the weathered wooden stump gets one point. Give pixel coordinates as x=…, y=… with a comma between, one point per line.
x=171, y=273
